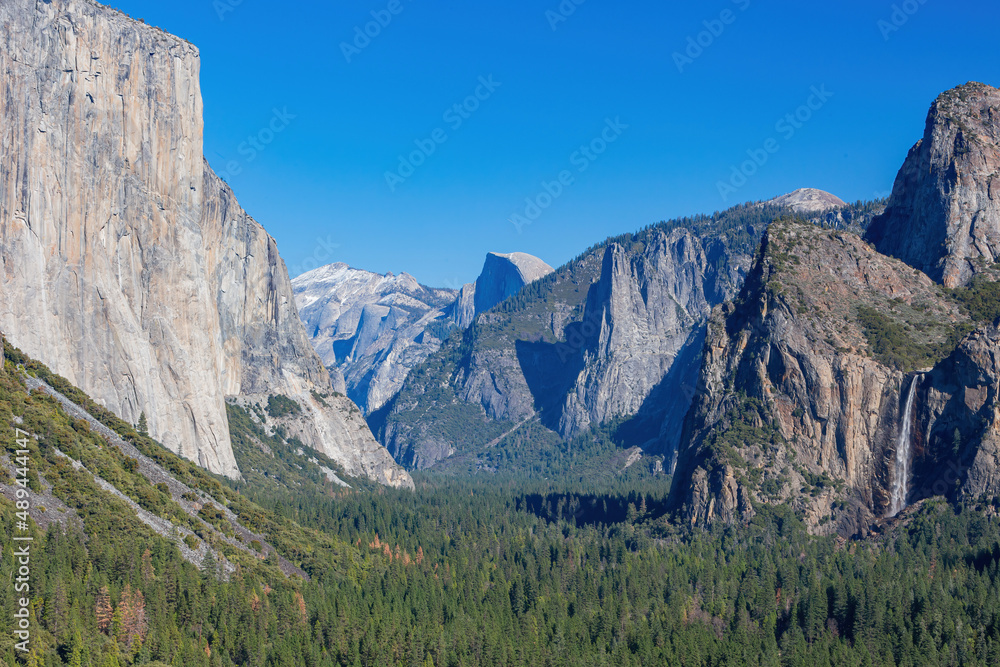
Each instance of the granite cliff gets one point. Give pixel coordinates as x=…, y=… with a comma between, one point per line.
x=373, y=329
x=126, y=265
x=944, y=214
x=504, y=275
x=853, y=380
x=805, y=380
x=614, y=337
x=645, y=317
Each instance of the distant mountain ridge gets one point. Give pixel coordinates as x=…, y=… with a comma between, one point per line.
x=368, y=328
x=809, y=200
x=613, y=337
x=371, y=329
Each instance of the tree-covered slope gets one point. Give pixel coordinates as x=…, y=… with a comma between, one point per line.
x=456, y=573
x=566, y=353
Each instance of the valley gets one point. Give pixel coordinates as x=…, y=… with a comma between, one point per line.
x=763, y=435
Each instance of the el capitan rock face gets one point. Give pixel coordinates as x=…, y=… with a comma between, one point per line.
x=127, y=265
x=101, y=183
x=944, y=214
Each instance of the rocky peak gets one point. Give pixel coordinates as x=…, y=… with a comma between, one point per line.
x=944, y=214
x=370, y=327
x=504, y=275
x=805, y=381
x=644, y=318
x=809, y=201
x=374, y=328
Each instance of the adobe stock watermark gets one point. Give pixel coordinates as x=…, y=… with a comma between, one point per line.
x=562, y=13
x=581, y=159
x=255, y=144
x=900, y=16
x=364, y=34
x=322, y=255
x=454, y=284
x=714, y=29
x=455, y=117
x=22, y=551
x=223, y=7
x=787, y=127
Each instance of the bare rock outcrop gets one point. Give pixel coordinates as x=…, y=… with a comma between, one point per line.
x=804, y=382
x=646, y=314
x=944, y=214
x=809, y=201
x=126, y=265
x=503, y=276
x=373, y=328
x=957, y=452
x=614, y=335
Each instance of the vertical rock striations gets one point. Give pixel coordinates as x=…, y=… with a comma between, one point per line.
x=944, y=214
x=646, y=313
x=804, y=383
x=125, y=264
x=100, y=204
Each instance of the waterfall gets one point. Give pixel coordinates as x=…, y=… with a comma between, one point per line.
x=901, y=474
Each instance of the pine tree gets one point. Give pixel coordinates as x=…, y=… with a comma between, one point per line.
x=147, y=566
x=143, y=427
x=129, y=621
x=76, y=657
x=103, y=610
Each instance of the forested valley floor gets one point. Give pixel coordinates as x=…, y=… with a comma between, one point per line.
x=481, y=570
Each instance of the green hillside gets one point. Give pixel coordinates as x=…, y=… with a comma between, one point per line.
x=457, y=573
x=431, y=408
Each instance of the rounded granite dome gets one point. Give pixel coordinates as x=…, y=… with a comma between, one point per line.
x=809, y=200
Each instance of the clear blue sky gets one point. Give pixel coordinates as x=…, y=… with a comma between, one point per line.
x=323, y=175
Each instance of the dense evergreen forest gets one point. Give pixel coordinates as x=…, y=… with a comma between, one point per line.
x=483, y=570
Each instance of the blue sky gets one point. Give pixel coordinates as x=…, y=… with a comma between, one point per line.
x=591, y=93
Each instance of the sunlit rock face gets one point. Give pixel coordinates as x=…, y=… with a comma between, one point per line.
x=125, y=264
x=371, y=328
x=944, y=214
x=792, y=394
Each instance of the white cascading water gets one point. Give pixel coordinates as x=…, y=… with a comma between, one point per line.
x=901, y=475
